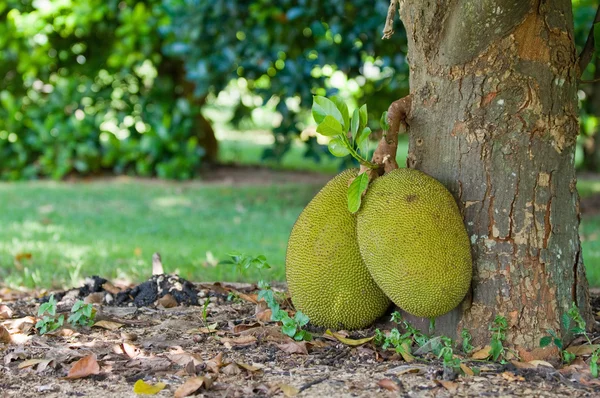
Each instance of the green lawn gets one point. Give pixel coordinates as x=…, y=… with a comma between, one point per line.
x=53, y=234
x=112, y=229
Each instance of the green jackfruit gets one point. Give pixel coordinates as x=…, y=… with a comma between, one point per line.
x=413, y=240
x=326, y=276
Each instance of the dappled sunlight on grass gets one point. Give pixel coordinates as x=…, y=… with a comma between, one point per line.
x=112, y=228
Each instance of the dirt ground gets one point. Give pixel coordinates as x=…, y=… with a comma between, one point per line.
x=231, y=349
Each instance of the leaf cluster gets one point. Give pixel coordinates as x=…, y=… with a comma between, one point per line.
x=81, y=315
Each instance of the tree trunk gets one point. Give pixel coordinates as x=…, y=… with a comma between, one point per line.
x=494, y=118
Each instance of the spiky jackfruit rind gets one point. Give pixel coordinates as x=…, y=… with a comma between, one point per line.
x=326, y=276
x=413, y=240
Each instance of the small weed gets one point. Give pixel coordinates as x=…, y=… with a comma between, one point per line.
x=580, y=326
x=291, y=327
x=82, y=314
x=49, y=323
x=466, y=341
x=498, y=329
x=594, y=363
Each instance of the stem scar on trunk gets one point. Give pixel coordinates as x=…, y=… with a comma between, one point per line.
x=385, y=153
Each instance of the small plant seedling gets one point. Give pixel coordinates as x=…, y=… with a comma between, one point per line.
x=580, y=325
x=82, y=314
x=594, y=363
x=291, y=327
x=233, y=297
x=205, y=309
x=446, y=353
x=49, y=323
x=498, y=329
x=466, y=341
x=552, y=337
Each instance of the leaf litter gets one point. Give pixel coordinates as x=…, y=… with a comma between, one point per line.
x=143, y=343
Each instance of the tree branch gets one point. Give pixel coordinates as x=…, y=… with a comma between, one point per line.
x=388, y=29
x=588, y=49
x=385, y=153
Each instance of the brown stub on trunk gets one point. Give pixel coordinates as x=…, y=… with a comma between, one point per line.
x=385, y=153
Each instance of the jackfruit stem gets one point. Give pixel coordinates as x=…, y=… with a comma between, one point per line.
x=385, y=153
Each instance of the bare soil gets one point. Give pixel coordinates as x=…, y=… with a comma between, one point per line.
x=233, y=350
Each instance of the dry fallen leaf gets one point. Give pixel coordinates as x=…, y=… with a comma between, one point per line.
x=4, y=335
x=249, y=368
x=231, y=369
x=531, y=364
x=112, y=289
x=192, y=385
x=216, y=363
x=94, y=298
x=168, y=301
x=451, y=386
x=467, y=370
x=30, y=363
x=585, y=349
x=511, y=377
x=108, y=325
x=238, y=341
x=484, y=353
x=243, y=327
x=388, y=384
x=253, y=298
x=5, y=312
x=294, y=347
x=183, y=358
x=130, y=350
x=347, y=341
x=85, y=367
x=141, y=387
x=288, y=391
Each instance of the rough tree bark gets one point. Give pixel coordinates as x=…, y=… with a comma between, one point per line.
x=494, y=118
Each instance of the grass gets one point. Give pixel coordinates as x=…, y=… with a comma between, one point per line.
x=54, y=234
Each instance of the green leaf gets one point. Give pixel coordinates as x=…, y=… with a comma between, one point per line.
x=338, y=148
x=594, y=369
x=323, y=107
x=355, y=191
x=355, y=123
x=364, y=116
x=330, y=127
x=496, y=350
x=565, y=320
x=545, y=341
x=384, y=121
x=289, y=330
x=301, y=318
x=558, y=343
x=364, y=134
x=343, y=108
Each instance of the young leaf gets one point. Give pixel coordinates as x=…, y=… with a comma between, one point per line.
x=355, y=191
x=343, y=108
x=565, y=320
x=364, y=116
x=384, y=121
x=364, y=134
x=355, y=123
x=545, y=341
x=301, y=318
x=323, y=107
x=337, y=147
x=330, y=127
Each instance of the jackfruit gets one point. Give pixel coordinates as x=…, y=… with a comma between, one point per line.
x=413, y=240
x=327, y=279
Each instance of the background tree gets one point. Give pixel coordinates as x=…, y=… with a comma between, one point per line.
x=494, y=118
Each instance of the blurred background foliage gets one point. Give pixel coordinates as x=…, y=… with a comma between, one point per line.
x=136, y=87
x=91, y=85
